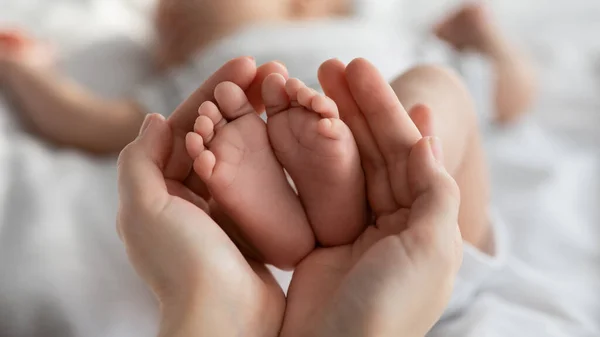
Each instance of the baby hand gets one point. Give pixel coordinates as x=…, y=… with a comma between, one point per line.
x=19, y=49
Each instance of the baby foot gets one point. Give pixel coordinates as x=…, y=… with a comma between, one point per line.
x=318, y=151
x=234, y=158
x=471, y=27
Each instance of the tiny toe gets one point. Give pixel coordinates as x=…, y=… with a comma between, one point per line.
x=205, y=128
x=325, y=107
x=204, y=165
x=194, y=144
x=232, y=100
x=210, y=110
x=274, y=95
x=292, y=86
x=331, y=128
x=306, y=96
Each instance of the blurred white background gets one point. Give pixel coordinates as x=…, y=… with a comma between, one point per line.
x=546, y=173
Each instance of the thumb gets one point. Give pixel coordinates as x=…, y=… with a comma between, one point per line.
x=141, y=179
x=433, y=221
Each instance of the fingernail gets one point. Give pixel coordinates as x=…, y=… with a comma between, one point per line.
x=279, y=62
x=251, y=58
x=146, y=124
x=150, y=122
x=435, y=144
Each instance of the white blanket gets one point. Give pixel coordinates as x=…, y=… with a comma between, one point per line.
x=64, y=272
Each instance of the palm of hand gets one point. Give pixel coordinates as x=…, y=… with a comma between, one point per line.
x=333, y=279
x=184, y=255
x=318, y=282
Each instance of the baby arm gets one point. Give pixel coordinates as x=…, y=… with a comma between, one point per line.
x=59, y=109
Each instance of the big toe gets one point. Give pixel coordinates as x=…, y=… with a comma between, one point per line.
x=232, y=100
x=274, y=94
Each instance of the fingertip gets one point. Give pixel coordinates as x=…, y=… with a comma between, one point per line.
x=331, y=66
x=358, y=64
x=436, y=150
x=153, y=123
x=254, y=92
x=273, y=82
x=361, y=68
x=426, y=169
x=280, y=68
x=244, y=61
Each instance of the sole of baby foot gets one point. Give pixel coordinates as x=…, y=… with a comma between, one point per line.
x=234, y=158
x=319, y=152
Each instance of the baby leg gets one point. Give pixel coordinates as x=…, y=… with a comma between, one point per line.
x=440, y=105
x=472, y=28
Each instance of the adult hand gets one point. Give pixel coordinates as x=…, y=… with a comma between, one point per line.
x=396, y=279
x=204, y=284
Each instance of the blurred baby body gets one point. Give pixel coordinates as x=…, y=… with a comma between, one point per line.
x=194, y=37
x=184, y=27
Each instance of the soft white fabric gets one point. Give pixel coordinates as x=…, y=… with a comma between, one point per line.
x=301, y=47
x=64, y=272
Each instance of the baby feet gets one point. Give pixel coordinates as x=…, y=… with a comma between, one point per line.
x=319, y=152
x=234, y=158
x=240, y=159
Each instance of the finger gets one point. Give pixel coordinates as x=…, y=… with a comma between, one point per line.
x=197, y=186
x=254, y=92
x=140, y=165
x=394, y=132
x=233, y=232
x=433, y=222
x=421, y=116
x=241, y=71
x=177, y=189
x=333, y=80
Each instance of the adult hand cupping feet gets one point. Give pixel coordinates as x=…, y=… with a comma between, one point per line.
x=204, y=284
x=395, y=279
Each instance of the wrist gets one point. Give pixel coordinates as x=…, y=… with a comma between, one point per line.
x=203, y=315
x=193, y=319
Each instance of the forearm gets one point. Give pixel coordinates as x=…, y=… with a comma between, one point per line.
x=67, y=114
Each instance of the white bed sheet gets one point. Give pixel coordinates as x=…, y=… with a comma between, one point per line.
x=63, y=270
x=57, y=207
